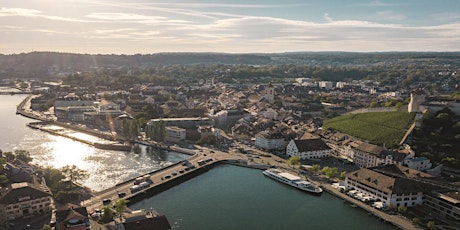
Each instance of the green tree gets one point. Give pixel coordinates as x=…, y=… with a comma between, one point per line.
x=9, y=156
x=315, y=168
x=107, y=214
x=23, y=155
x=342, y=175
x=46, y=227
x=431, y=225
x=120, y=206
x=74, y=174
x=402, y=209
x=3, y=180
x=294, y=160
x=330, y=172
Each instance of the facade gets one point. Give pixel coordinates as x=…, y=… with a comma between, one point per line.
x=23, y=199
x=446, y=204
x=73, y=113
x=326, y=84
x=225, y=117
x=367, y=155
x=269, y=141
x=175, y=134
x=416, y=99
x=72, y=101
x=308, y=149
x=418, y=163
x=186, y=123
x=391, y=191
x=270, y=93
x=74, y=218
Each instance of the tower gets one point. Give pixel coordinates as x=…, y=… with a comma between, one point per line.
x=270, y=93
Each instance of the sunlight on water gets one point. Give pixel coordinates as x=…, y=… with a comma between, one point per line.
x=106, y=168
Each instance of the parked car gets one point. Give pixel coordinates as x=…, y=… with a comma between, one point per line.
x=106, y=201
x=121, y=194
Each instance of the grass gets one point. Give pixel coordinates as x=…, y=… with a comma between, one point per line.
x=376, y=127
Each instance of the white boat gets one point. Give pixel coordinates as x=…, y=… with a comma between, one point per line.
x=292, y=180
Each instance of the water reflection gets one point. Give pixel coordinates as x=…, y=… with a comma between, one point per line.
x=106, y=168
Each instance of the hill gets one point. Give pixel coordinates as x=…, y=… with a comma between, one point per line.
x=377, y=128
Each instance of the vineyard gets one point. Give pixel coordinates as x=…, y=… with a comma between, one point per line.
x=377, y=127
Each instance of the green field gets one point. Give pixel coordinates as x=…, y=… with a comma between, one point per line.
x=376, y=127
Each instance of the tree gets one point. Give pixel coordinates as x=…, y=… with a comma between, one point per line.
x=3, y=180
x=330, y=172
x=107, y=214
x=9, y=156
x=315, y=168
x=23, y=155
x=294, y=160
x=74, y=174
x=46, y=227
x=342, y=175
x=402, y=209
x=120, y=206
x=431, y=225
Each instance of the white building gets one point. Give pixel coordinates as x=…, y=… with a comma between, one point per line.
x=23, y=199
x=175, y=134
x=270, y=93
x=326, y=84
x=446, y=204
x=392, y=191
x=269, y=141
x=308, y=149
x=418, y=163
x=368, y=155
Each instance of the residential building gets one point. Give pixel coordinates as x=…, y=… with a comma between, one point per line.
x=444, y=203
x=368, y=155
x=269, y=94
x=72, y=217
x=3, y=218
x=308, y=149
x=270, y=140
x=391, y=190
x=23, y=199
x=418, y=163
x=175, y=134
x=142, y=220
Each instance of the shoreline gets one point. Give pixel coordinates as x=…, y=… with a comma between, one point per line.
x=396, y=220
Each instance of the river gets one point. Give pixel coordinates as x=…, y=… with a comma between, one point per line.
x=226, y=197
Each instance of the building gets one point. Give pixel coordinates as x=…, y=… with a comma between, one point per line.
x=270, y=140
x=186, y=123
x=308, y=149
x=269, y=94
x=226, y=117
x=3, y=218
x=71, y=101
x=72, y=113
x=444, y=203
x=418, y=163
x=175, y=134
x=367, y=155
x=24, y=199
x=142, y=220
x=370, y=185
x=72, y=217
x=326, y=85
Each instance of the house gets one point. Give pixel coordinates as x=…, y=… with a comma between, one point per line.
x=270, y=140
x=175, y=134
x=23, y=199
x=444, y=203
x=367, y=155
x=142, y=220
x=308, y=149
x=418, y=163
x=389, y=189
x=72, y=217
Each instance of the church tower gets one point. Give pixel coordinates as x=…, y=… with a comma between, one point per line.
x=270, y=93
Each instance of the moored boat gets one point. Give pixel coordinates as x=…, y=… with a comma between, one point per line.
x=292, y=180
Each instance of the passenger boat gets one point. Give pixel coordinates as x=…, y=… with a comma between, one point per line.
x=292, y=180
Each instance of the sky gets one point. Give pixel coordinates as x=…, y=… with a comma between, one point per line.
x=238, y=26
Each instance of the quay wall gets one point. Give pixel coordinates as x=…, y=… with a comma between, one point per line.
x=165, y=185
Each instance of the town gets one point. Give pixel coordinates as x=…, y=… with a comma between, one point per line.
x=383, y=135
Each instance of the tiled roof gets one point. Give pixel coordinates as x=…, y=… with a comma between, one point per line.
x=311, y=145
x=19, y=190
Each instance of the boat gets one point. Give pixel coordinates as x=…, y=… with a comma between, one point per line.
x=292, y=180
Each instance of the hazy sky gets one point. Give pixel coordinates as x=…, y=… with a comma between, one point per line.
x=242, y=26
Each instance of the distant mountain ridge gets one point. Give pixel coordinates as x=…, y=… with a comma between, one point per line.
x=41, y=62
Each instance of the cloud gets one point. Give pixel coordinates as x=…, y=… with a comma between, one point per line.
x=23, y=12
x=445, y=16
x=391, y=15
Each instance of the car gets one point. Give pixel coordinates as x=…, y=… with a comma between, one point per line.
x=121, y=194
x=167, y=177
x=106, y=201
x=174, y=174
x=187, y=169
x=181, y=171
x=96, y=214
x=211, y=151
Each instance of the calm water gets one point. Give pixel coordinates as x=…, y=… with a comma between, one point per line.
x=106, y=168
x=231, y=197
x=226, y=197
